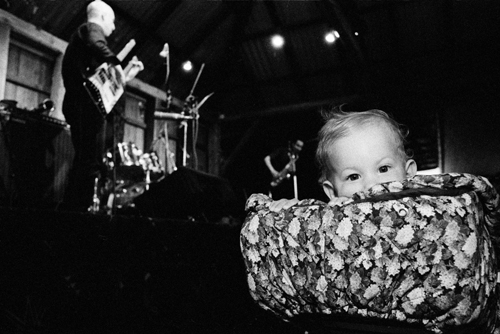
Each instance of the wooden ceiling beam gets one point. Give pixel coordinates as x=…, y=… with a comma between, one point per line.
x=293, y=108
x=146, y=29
x=205, y=30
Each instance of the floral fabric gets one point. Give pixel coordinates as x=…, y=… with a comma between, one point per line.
x=422, y=250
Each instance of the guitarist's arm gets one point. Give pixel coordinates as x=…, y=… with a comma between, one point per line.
x=93, y=35
x=272, y=170
x=98, y=44
x=88, y=49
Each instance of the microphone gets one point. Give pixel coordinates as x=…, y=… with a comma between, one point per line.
x=165, y=52
x=46, y=106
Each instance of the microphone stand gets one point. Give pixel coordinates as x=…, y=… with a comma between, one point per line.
x=295, y=188
x=165, y=53
x=190, y=106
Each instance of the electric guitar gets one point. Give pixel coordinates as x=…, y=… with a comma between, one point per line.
x=104, y=87
x=286, y=172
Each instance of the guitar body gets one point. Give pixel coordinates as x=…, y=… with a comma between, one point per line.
x=104, y=88
x=285, y=173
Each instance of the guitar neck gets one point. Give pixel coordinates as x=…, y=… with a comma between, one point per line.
x=126, y=50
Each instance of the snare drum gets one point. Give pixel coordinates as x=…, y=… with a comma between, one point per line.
x=127, y=168
x=129, y=154
x=152, y=166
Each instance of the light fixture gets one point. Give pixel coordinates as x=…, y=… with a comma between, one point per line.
x=187, y=66
x=277, y=41
x=332, y=36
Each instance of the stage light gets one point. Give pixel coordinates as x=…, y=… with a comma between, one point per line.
x=332, y=36
x=277, y=41
x=187, y=66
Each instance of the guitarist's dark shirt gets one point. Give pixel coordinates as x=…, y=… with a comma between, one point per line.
x=279, y=158
x=86, y=50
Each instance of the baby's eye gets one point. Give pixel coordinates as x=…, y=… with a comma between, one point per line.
x=353, y=177
x=383, y=169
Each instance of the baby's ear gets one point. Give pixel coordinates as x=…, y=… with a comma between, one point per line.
x=411, y=168
x=329, y=189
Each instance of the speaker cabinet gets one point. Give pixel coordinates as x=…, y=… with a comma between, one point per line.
x=186, y=194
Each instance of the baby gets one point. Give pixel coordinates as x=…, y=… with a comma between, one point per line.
x=356, y=151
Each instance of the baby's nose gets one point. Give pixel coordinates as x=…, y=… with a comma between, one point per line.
x=370, y=181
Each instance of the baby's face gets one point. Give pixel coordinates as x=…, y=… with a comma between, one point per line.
x=365, y=157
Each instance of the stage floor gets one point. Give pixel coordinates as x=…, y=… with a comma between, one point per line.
x=65, y=272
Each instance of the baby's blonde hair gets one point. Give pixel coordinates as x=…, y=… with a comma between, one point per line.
x=339, y=124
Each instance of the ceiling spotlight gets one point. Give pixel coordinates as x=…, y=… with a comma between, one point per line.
x=277, y=41
x=187, y=66
x=331, y=36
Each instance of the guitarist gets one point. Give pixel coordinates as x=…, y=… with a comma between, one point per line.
x=281, y=165
x=87, y=49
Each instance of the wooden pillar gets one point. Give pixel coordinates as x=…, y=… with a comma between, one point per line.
x=4, y=55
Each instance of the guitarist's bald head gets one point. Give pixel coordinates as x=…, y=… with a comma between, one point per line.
x=97, y=8
x=102, y=14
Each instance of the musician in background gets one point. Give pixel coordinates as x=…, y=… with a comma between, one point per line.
x=87, y=49
x=281, y=165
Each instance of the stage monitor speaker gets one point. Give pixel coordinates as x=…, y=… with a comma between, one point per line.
x=30, y=160
x=186, y=194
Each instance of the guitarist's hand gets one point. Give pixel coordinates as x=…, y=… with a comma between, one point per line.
x=133, y=68
x=119, y=74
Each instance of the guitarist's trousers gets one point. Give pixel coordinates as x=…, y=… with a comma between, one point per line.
x=87, y=127
x=283, y=190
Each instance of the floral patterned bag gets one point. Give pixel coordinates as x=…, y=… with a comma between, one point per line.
x=419, y=251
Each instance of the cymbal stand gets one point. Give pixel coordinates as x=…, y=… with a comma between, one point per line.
x=191, y=107
x=295, y=188
x=189, y=112
x=184, y=126
x=177, y=117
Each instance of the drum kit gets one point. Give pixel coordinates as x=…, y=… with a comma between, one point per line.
x=130, y=175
